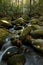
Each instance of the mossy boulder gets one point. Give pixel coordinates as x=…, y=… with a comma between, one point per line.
x=3, y=34
x=40, y=23
x=5, y=24
x=35, y=27
x=37, y=33
x=20, y=21
x=18, y=59
x=34, y=21
x=25, y=32
x=38, y=44
x=41, y=18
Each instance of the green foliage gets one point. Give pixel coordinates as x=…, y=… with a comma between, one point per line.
x=17, y=60
x=6, y=8
x=3, y=34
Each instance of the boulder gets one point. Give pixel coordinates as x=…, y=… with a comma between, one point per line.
x=40, y=23
x=5, y=24
x=34, y=21
x=3, y=34
x=38, y=44
x=35, y=27
x=25, y=32
x=37, y=33
x=18, y=59
x=20, y=21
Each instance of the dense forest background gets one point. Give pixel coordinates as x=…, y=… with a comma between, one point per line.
x=12, y=8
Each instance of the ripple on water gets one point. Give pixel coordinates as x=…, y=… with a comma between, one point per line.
x=7, y=44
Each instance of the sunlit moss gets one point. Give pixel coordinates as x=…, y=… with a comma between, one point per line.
x=3, y=34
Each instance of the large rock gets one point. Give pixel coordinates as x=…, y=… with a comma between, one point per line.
x=34, y=21
x=3, y=34
x=38, y=44
x=20, y=21
x=37, y=33
x=40, y=23
x=41, y=18
x=17, y=60
x=6, y=24
x=25, y=32
x=35, y=27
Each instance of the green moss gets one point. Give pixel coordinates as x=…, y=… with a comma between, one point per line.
x=35, y=27
x=38, y=44
x=5, y=23
x=25, y=32
x=20, y=21
x=17, y=60
x=34, y=21
x=3, y=34
x=37, y=32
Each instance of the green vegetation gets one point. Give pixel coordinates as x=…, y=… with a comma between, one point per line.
x=3, y=34
x=17, y=60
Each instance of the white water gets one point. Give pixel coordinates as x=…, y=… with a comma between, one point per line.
x=1, y=55
x=7, y=44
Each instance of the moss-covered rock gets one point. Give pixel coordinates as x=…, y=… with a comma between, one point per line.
x=25, y=32
x=41, y=18
x=37, y=33
x=17, y=60
x=20, y=21
x=38, y=44
x=6, y=24
x=35, y=27
x=40, y=23
x=3, y=34
x=34, y=21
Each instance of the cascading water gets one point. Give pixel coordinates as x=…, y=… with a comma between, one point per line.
x=10, y=47
x=31, y=59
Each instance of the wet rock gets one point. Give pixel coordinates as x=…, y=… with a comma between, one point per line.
x=38, y=44
x=17, y=60
x=5, y=24
x=35, y=27
x=3, y=34
x=26, y=50
x=27, y=40
x=37, y=33
x=41, y=18
x=10, y=51
x=25, y=32
x=40, y=23
x=34, y=21
x=16, y=42
x=20, y=21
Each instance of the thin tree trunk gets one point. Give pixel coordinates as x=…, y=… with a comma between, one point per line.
x=30, y=9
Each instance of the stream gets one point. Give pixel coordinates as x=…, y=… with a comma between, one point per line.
x=32, y=58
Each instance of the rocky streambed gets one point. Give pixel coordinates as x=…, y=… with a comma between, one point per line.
x=21, y=43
